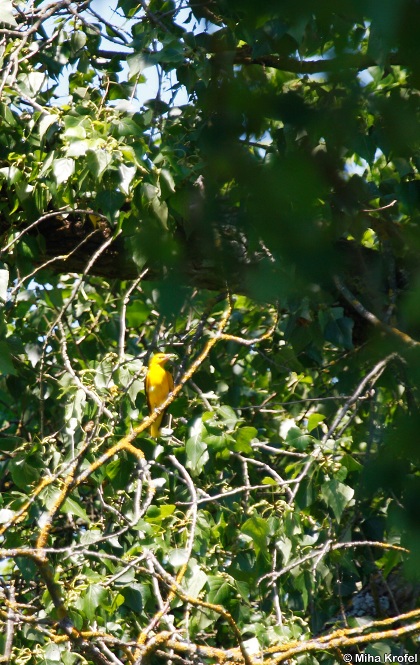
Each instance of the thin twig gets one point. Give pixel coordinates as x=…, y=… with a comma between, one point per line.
x=389, y=205
x=330, y=546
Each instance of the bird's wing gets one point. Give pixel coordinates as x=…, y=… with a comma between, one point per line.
x=170, y=382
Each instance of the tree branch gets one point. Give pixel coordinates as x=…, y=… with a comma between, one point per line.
x=358, y=61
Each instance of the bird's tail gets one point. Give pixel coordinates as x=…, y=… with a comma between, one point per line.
x=155, y=427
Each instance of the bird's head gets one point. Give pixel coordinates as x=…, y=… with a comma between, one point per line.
x=161, y=358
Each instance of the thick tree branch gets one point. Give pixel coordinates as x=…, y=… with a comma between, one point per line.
x=358, y=61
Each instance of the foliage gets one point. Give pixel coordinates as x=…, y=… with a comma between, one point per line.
x=258, y=216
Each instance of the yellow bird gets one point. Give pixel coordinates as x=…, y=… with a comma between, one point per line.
x=159, y=383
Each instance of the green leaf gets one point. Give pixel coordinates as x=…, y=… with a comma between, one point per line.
x=228, y=415
x=27, y=568
x=197, y=455
x=159, y=107
x=389, y=561
x=285, y=546
x=69, y=657
x=159, y=513
x=133, y=597
x=314, y=420
x=89, y=537
x=268, y=480
x=78, y=40
x=11, y=174
x=53, y=653
x=137, y=313
x=109, y=203
x=7, y=115
x=63, y=169
x=24, y=474
x=296, y=439
x=45, y=122
x=34, y=353
x=138, y=252
x=31, y=83
x=74, y=508
x=77, y=132
x=119, y=471
x=74, y=408
x=137, y=63
x=78, y=148
x=98, y=161
x=244, y=436
x=167, y=183
x=300, y=586
x=337, y=328
x=160, y=211
x=104, y=374
x=127, y=174
x=337, y=496
x=219, y=590
x=257, y=528
x=134, y=389
x=178, y=557
x=90, y=601
x=243, y=589
x=6, y=13
x=351, y=464
x=194, y=580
